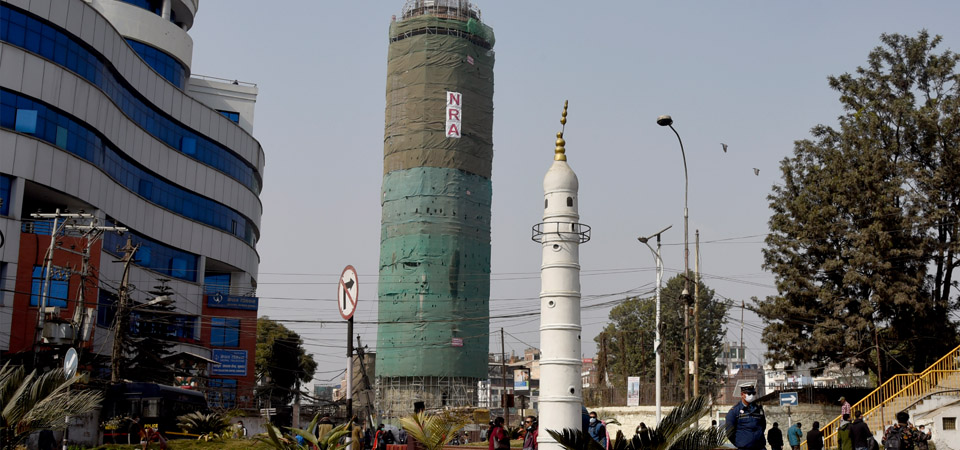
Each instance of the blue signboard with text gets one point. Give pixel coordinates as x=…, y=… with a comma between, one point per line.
x=220, y=300
x=231, y=362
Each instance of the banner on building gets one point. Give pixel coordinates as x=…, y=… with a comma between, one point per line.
x=219, y=300
x=633, y=391
x=454, y=109
x=521, y=380
x=232, y=363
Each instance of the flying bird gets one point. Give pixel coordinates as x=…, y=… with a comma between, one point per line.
x=756, y=171
x=724, y=147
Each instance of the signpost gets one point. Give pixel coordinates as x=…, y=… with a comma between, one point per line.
x=70, y=362
x=348, y=290
x=789, y=399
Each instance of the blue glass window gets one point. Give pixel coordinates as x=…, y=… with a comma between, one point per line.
x=222, y=393
x=26, y=121
x=91, y=146
x=59, y=286
x=154, y=255
x=27, y=32
x=164, y=64
x=106, y=308
x=214, y=283
x=5, y=183
x=233, y=116
x=224, y=332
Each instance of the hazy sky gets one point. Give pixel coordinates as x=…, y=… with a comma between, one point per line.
x=751, y=74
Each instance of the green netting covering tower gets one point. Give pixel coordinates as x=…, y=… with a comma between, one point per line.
x=434, y=287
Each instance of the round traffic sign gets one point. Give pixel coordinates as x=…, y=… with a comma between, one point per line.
x=70, y=361
x=347, y=291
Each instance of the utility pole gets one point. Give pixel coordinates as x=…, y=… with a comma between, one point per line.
x=743, y=306
x=120, y=320
x=45, y=293
x=296, y=404
x=696, y=319
x=361, y=354
x=503, y=376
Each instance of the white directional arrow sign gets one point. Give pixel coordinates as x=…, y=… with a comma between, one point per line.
x=789, y=399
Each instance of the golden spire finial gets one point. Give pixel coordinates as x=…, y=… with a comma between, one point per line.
x=559, y=152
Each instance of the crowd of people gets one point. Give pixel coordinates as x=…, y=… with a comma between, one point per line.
x=746, y=422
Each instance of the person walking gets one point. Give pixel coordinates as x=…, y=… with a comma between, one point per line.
x=844, y=406
x=844, y=442
x=795, y=436
x=498, y=439
x=775, y=437
x=530, y=437
x=860, y=435
x=901, y=435
x=815, y=437
x=597, y=430
x=746, y=421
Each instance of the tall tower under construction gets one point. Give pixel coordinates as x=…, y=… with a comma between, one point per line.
x=434, y=286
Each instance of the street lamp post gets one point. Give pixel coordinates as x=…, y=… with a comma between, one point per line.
x=667, y=121
x=656, y=339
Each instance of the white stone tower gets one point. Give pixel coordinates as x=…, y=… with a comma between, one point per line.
x=560, y=234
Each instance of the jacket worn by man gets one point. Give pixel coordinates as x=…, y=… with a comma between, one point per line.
x=745, y=425
x=860, y=434
x=814, y=439
x=598, y=432
x=795, y=436
x=843, y=436
x=775, y=438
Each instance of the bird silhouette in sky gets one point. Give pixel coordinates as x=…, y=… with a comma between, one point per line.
x=756, y=171
x=724, y=147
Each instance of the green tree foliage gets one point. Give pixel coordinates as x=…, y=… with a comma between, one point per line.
x=208, y=425
x=31, y=402
x=676, y=431
x=630, y=335
x=147, y=344
x=864, y=230
x=282, y=358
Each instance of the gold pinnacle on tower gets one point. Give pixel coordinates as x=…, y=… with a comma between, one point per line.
x=559, y=152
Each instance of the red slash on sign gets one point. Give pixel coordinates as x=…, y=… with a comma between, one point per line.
x=347, y=292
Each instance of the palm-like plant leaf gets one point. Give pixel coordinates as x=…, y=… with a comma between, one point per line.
x=697, y=439
x=31, y=402
x=674, y=432
x=433, y=432
x=571, y=439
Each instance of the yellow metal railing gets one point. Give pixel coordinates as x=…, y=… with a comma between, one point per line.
x=899, y=393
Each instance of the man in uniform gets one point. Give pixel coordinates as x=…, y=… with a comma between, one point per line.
x=746, y=421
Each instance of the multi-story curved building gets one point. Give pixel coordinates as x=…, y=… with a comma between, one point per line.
x=99, y=113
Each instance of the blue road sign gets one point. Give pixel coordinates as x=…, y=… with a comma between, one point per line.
x=789, y=399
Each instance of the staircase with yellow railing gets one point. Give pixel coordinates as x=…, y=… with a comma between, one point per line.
x=902, y=392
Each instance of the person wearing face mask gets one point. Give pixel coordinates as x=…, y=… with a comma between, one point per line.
x=597, y=430
x=530, y=438
x=746, y=421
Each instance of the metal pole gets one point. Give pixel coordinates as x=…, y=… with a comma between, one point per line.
x=696, y=318
x=686, y=271
x=656, y=342
x=503, y=376
x=350, y=368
